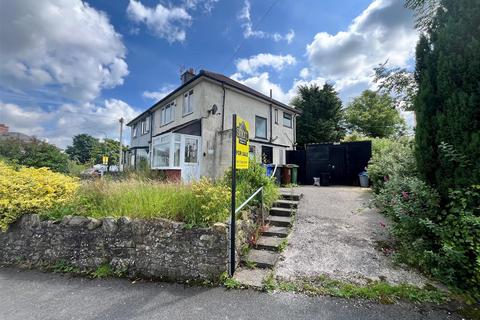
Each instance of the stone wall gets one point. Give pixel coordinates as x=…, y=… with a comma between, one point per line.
x=155, y=248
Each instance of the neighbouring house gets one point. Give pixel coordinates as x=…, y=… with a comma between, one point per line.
x=5, y=133
x=188, y=133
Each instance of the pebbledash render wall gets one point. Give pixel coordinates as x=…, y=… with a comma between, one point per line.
x=154, y=248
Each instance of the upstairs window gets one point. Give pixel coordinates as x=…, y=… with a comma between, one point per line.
x=287, y=120
x=134, y=131
x=168, y=113
x=276, y=116
x=260, y=127
x=188, y=102
x=145, y=125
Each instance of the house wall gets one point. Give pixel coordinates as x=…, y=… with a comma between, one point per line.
x=141, y=140
x=217, y=153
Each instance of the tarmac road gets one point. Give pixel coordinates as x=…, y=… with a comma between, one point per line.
x=27, y=294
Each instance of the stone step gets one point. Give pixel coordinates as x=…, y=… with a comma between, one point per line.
x=290, y=196
x=283, y=212
x=268, y=243
x=286, y=204
x=279, y=221
x=251, y=278
x=281, y=232
x=262, y=258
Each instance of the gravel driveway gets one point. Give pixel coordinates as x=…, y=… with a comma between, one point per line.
x=337, y=235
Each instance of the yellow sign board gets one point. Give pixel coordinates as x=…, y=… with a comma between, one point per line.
x=242, y=144
x=105, y=160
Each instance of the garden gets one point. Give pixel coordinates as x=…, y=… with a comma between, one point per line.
x=53, y=195
x=439, y=235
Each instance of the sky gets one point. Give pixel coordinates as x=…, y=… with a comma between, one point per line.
x=72, y=66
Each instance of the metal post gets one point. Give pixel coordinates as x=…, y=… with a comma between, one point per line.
x=261, y=207
x=120, y=158
x=231, y=269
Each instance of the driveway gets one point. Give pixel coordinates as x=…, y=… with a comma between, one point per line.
x=337, y=235
x=32, y=295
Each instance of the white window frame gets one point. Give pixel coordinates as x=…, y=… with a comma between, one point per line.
x=276, y=116
x=266, y=127
x=135, y=131
x=146, y=125
x=187, y=107
x=173, y=139
x=163, y=114
x=285, y=118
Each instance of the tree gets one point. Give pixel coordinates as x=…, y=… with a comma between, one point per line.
x=374, y=115
x=398, y=82
x=448, y=100
x=34, y=153
x=322, y=114
x=82, y=148
x=109, y=148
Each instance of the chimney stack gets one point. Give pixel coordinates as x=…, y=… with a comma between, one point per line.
x=187, y=75
x=3, y=128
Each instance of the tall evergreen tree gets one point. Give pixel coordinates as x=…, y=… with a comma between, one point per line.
x=448, y=101
x=322, y=114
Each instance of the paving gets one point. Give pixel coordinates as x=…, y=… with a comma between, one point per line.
x=336, y=234
x=33, y=295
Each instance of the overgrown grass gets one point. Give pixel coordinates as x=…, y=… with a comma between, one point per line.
x=132, y=198
x=376, y=290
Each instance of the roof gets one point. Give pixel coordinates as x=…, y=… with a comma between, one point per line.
x=222, y=79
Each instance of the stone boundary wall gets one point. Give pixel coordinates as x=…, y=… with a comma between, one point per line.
x=156, y=248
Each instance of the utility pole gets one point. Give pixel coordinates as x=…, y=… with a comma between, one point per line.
x=120, y=162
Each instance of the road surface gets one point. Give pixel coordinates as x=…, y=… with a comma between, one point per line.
x=28, y=295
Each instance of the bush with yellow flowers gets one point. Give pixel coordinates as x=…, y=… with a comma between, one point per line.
x=214, y=201
x=30, y=190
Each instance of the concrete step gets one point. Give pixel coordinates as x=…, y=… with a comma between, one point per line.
x=281, y=232
x=279, y=221
x=286, y=204
x=268, y=243
x=289, y=196
x=262, y=258
x=283, y=212
x=251, y=278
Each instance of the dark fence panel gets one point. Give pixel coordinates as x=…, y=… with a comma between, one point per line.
x=298, y=157
x=343, y=161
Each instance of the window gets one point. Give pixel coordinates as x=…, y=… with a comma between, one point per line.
x=134, y=131
x=161, y=152
x=287, y=120
x=191, y=150
x=276, y=116
x=188, y=102
x=260, y=127
x=145, y=125
x=168, y=113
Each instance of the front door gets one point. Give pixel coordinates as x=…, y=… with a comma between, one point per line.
x=267, y=155
x=190, y=157
x=338, y=164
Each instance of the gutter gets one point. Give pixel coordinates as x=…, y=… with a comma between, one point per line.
x=271, y=115
x=223, y=106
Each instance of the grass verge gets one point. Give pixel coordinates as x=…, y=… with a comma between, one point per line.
x=379, y=291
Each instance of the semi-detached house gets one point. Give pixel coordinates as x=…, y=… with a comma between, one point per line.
x=188, y=133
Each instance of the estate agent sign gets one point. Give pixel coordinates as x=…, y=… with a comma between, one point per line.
x=242, y=144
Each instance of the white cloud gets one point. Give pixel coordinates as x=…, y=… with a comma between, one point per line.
x=206, y=5
x=62, y=44
x=160, y=94
x=59, y=125
x=250, y=32
x=385, y=30
x=252, y=64
x=263, y=84
x=165, y=22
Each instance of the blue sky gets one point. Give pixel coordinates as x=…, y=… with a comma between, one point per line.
x=69, y=66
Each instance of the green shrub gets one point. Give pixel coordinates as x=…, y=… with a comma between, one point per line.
x=459, y=256
x=214, y=201
x=390, y=158
x=414, y=207
x=249, y=180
